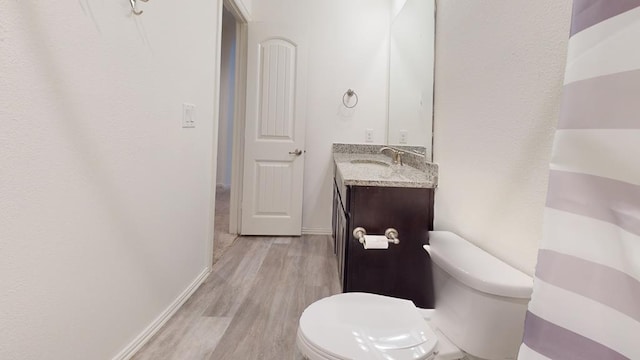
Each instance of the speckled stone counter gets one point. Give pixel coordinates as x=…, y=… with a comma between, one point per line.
x=363, y=165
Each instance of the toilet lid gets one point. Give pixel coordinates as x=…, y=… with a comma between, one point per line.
x=367, y=326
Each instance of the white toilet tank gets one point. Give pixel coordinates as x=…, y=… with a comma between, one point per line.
x=480, y=301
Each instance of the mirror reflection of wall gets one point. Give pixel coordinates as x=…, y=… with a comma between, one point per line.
x=411, y=61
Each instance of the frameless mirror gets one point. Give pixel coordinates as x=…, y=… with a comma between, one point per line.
x=411, y=61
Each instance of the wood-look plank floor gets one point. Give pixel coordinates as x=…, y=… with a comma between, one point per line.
x=249, y=306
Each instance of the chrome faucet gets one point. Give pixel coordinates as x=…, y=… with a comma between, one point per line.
x=396, y=154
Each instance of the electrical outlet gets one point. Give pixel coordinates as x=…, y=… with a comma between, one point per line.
x=188, y=115
x=368, y=135
x=404, y=134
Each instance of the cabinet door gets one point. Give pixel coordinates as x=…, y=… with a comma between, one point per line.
x=403, y=270
x=341, y=238
x=334, y=214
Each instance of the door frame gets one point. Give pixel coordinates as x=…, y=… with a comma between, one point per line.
x=241, y=14
x=239, y=11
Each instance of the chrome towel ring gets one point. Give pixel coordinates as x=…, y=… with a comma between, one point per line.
x=347, y=96
x=133, y=7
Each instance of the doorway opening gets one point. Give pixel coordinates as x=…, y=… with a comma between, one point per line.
x=230, y=129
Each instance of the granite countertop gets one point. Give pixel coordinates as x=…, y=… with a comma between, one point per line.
x=395, y=175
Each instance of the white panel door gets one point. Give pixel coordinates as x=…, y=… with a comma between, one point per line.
x=274, y=138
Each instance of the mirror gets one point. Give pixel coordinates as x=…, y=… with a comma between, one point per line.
x=411, y=61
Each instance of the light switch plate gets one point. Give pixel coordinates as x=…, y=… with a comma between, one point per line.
x=188, y=115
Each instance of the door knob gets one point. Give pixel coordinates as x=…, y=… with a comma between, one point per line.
x=297, y=152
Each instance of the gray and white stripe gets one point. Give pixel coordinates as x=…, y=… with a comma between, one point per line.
x=586, y=298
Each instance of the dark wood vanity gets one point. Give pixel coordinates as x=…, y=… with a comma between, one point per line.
x=403, y=270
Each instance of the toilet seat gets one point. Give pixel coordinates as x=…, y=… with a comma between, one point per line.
x=365, y=326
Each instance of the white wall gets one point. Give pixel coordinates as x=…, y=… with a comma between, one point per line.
x=104, y=199
x=348, y=49
x=396, y=7
x=227, y=97
x=499, y=71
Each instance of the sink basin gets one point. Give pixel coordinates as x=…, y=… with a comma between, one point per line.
x=370, y=163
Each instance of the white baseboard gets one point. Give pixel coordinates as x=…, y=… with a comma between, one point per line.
x=157, y=324
x=316, y=231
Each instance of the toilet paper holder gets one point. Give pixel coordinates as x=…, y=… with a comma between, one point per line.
x=391, y=234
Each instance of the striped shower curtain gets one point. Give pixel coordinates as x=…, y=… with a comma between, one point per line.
x=586, y=298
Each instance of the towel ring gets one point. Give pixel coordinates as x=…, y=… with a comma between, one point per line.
x=133, y=7
x=350, y=93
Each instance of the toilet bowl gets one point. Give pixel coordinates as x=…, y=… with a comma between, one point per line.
x=479, y=313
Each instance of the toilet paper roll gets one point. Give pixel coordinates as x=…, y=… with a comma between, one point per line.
x=376, y=242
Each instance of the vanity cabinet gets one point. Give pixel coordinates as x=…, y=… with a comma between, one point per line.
x=403, y=270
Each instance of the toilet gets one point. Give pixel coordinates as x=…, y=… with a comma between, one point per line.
x=480, y=306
